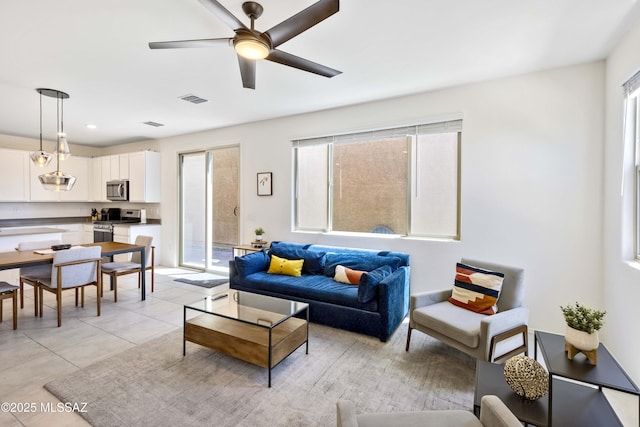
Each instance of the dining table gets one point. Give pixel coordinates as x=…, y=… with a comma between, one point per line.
x=20, y=259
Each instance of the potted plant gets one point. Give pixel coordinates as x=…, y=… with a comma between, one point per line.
x=583, y=324
x=259, y=232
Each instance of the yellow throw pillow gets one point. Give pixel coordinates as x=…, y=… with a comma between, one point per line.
x=289, y=267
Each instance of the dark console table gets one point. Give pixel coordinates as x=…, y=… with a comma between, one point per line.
x=568, y=403
x=606, y=374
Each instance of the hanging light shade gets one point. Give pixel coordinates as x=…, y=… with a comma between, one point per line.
x=57, y=180
x=62, y=147
x=40, y=158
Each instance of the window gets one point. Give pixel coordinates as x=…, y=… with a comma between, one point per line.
x=402, y=181
x=631, y=148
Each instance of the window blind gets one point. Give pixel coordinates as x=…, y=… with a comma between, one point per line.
x=439, y=127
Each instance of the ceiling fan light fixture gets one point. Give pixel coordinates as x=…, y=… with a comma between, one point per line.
x=251, y=48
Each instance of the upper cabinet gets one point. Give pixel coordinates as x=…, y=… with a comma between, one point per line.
x=144, y=177
x=14, y=173
x=74, y=165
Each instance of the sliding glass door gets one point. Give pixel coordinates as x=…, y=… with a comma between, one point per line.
x=209, y=206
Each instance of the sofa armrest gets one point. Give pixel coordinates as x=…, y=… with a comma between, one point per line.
x=346, y=413
x=233, y=271
x=393, y=300
x=501, y=322
x=494, y=413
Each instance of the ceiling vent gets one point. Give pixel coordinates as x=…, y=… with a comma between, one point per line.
x=154, y=124
x=193, y=99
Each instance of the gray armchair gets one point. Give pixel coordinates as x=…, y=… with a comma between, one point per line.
x=472, y=333
x=72, y=269
x=493, y=413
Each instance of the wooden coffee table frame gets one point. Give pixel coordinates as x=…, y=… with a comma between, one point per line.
x=264, y=343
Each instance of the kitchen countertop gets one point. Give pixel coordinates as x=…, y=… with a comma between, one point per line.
x=9, y=232
x=25, y=222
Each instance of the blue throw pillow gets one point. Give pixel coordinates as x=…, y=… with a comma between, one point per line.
x=362, y=262
x=252, y=263
x=368, y=286
x=313, y=261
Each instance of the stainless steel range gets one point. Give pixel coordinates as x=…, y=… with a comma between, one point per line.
x=103, y=230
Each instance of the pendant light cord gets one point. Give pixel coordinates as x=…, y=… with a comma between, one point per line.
x=40, y=121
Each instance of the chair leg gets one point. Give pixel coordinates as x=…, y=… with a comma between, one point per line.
x=40, y=300
x=82, y=297
x=115, y=288
x=152, y=280
x=1, y=304
x=76, y=297
x=59, y=304
x=408, y=338
x=99, y=292
x=15, y=309
x=21, y=293
x=35, y=300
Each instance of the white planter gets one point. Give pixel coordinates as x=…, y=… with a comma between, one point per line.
x=581, y=340
x=258, y=238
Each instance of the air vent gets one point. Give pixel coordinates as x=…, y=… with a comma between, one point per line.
x=193, y=99
x=154, y=124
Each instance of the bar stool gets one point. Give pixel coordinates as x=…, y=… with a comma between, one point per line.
x=9, y=291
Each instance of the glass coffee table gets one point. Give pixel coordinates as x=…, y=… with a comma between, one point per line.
x=255, y=328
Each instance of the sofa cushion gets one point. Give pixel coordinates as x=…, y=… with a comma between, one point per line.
x=476, y=289
x=361, y=261
x=455, y=322
x=347, y=275
x=251, y=263
x=306, y=287
x=287, y=267
x=313, y=261
x=368, y=286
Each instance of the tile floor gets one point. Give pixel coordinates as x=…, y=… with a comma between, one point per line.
x=38, y=351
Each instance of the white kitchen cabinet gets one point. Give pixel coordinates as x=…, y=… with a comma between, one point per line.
x=127, y=233
x=74, y=165
x=123, y=162
x=87, y=233
x=98, y=191
x=80, y=168
x=144, y=177
x=14, y=169
x=71, y=233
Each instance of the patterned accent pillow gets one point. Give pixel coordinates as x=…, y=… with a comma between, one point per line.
x=347, y=275
x=476, y=289
x=288, y=267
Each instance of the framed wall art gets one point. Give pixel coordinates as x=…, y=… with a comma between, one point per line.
x=265, y=184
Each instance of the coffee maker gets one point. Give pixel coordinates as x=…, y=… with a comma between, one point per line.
x=109, y=214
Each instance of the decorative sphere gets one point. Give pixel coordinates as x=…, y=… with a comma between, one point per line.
x=526, y=377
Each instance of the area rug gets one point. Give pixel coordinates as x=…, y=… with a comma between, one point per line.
x=153, y=384
x=206, y=283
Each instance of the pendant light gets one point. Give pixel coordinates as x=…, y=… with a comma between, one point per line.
x=62, y=147
x=57, y=180
x=40, y=158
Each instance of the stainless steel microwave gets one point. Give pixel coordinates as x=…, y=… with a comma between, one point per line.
x=118, y=190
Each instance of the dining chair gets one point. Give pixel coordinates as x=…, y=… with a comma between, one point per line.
x=116, y=269
x=29, y=275
x=73, y=268
x=9, y=291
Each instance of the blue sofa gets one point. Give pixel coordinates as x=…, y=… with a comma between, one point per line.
x=375, y=306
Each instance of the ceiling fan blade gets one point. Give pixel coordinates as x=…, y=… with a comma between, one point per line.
x=221, y=12
x=248, y=72
x=189, y=43
x=302, y=21
x=290, y=60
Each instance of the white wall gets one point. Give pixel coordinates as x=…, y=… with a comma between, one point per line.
x=621, y=280
x=531, y=181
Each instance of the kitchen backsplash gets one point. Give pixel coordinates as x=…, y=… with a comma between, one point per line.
x=50, y=210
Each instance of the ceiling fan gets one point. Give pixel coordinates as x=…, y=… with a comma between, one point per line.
x=251, y=45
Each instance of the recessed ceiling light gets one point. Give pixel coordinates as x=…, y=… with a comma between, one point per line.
x=91, y=126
